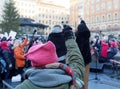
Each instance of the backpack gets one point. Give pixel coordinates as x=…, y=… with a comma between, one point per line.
x=2, y=65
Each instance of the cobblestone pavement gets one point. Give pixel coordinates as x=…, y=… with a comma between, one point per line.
x=103, y=81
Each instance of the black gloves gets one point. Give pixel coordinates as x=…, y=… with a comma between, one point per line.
x=68, y=33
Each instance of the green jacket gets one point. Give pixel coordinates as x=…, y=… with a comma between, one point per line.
x=75, y=61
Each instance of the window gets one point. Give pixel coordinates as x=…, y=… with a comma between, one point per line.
x=92, y=19
x=109, y=4
x=116, y=4
x=97, y=19
x=103, y=6
x=97, y=0
x=92, y=9
x=116, y=26
x=103, y=18
x=97, y=7
x=116, y=16
x=109, y=17
x=92, y=1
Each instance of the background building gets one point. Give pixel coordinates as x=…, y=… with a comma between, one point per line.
x=98, y=14
x=42, y=12
x=51, y=15
x=76, y=12
x=45, y=13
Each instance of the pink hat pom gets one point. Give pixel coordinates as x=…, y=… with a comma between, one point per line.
x=43, y=54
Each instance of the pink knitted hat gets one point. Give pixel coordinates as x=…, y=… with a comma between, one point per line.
x=43, y=54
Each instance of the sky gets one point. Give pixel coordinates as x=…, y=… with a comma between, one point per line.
x=59, y=2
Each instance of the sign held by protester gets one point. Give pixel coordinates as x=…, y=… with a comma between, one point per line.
x=12, y=34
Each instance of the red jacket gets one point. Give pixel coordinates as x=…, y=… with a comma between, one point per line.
x=104, y=50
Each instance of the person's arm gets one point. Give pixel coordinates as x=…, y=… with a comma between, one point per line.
x=24, y=42
x=74, y=56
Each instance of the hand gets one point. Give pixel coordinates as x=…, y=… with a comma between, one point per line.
x=68, y=33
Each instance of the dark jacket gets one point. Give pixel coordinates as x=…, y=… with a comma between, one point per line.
x=82, y=39
x=59, y=42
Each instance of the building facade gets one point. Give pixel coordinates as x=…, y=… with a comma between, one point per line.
x=42, y=12
x=76, y=12
x=101, y=15
x=51, y=15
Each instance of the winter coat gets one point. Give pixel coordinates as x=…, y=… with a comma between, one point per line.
x=59, y=42
x=56, y=78
x=19, y=54
x=104, y=50
x=82, y=39
x=6, y=52
x=112, y=52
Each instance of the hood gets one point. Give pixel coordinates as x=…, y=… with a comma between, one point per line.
x=48, y=77
x=56, y=30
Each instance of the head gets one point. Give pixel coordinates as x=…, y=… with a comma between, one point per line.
x=4, y=39
x=16, y=43
x=41, y=55
x=82, y=22
x=112, y=44
x=4, y=45
x=56, y=29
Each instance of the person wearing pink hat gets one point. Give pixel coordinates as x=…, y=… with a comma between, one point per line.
x=48, y=73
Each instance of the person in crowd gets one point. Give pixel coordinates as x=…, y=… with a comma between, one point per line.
x=57, y=37
x=103, y=55
x=113, y=50
x=7, y=57
x=97, y=43
x=118, y=45
x=13, y=71
x=83, y=41
x=3, y=39
x=18, y=47
x=48, y=73
x=2, y=70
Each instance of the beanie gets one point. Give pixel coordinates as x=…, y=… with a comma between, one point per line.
x=43, y=54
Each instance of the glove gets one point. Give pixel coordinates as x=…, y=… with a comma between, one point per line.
x=68, y=33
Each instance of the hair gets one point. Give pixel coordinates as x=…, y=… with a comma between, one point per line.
x=16, y=43
x=82, y=21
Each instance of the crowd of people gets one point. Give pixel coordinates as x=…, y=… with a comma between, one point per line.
x=106, y=48
x=60, y=62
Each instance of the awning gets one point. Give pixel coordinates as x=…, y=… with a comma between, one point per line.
x=32, y=23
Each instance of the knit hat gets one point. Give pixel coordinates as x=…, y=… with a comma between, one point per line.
x=43, y=54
